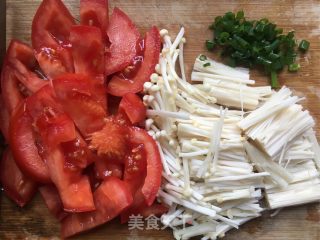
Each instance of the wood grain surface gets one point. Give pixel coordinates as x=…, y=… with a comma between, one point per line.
x=303, y=222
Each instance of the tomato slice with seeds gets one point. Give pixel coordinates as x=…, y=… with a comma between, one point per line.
x=123, y=36
x=152, y=180
x=133, y=107
x=95, y=13
x=105, y=168
x=50, y=37
x=81, y=99
x=87, y=50
x=23, y=143
x=16, y=185
x=119, y=85
x=110, y=198
x=53, y=201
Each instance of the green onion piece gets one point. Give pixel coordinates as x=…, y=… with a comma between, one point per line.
x=294, y=67
x=210, y=45
x=274, y=80
x=203, y=57
x=304, y=45
x=207, y=64
x=240, y=15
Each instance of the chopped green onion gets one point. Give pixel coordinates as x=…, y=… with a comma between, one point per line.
x=203, y=57
x=294, y=67
x=210, y=45
x=257, y=43
x=207, y=64
x=274, y=80
x=304, y=45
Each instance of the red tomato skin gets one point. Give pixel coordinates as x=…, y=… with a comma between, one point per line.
x=95, y=13
x=152, y=181
x=87, y=50
x=16, y=185
x=24, y=149
x=111, y=198
x=133, y=107
x=50, y=37
x=4, y=120
x=18, y=70
x=119, y=86
x=53, y=201
x=123, y=36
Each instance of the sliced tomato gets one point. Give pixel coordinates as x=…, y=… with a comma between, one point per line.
x=53, y=201
x=23, y=144
x=111, y=140
x=4, y=120
x=110, y=198
x=123, y=36
x=133, y=107
x=95, y=13
x=77, y=94
x=18, y=73
x=10, y=89
x=55, y=127
x=139, y=206
x=156, y=209
x=50, y=37
x=135, y=169
x=87, y=50
x=77, y=152
x=106, y=167
x=119, y=85
x=152, y=181
x=16, y=185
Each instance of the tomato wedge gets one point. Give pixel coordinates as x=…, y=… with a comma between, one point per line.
x=133, y=107
x=55, y=127
x=82, y=101
x=18, y=73
x=50, y=37
x=139, y=206
x=87, y=50
x=123, y=36
x=119, y=86
x=152, y=181
x=53, y=201
x=95, y=13
x=23, y=143
x=15, y=184
x=4, y=120
x=110, y=198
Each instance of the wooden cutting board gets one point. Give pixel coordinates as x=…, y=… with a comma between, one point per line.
x=34, y=221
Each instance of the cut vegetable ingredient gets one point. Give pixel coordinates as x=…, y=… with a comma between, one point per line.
x=50, y=38
x=213, y=170
x=132, y=106
x=16, y=185
x=123, y=36
x=110, y=198
x=119, y=85
x=255, y=43
x=87, y=50
x=95, y=13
